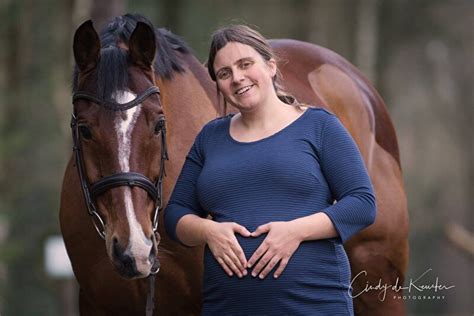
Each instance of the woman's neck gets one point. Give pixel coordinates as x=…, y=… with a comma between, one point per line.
x=265, y=115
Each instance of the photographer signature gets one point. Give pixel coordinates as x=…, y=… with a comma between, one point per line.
x=414, y=285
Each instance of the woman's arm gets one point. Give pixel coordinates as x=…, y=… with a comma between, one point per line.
x=191, y=230
x=187, y=222
x=350, y=185
x=348, y=180
x=184, y=200
x=314, y=227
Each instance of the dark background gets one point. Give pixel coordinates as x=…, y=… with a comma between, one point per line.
x=418, y=54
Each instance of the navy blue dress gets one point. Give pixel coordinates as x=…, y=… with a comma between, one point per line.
x=300, y=170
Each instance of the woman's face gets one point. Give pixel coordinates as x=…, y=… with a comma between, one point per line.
x=243, y=76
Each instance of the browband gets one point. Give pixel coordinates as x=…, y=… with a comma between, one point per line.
x=111, y=104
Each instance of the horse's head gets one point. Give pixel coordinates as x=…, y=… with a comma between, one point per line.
x=119, y=135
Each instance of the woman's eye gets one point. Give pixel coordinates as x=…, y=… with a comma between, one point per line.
x=159, y=126
x=246, y=65
x=223, y=74
x=85, y=132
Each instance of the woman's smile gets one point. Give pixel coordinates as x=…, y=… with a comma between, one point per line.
x=243, y=90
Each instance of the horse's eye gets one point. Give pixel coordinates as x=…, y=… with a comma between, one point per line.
x=160, y=125
x=85, y=132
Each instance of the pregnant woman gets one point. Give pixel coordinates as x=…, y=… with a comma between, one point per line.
x=273, y=192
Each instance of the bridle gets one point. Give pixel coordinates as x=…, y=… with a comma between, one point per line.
x=93, y=190
x=130, y=179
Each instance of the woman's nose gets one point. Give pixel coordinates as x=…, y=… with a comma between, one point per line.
x=238, y=76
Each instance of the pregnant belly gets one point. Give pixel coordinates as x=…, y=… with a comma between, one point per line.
x=315, y=265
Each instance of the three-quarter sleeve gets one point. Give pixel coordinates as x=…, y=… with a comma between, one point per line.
x=184, y=199
x=348, y=180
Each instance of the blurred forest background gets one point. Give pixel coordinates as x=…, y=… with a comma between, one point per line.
x=418, y=53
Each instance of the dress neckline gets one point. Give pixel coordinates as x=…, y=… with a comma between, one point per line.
x=229, y=118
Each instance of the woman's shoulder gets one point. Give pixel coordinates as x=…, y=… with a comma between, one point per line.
x=318, y=111
x=217, y=123
x=215, y=126
x=315, y=117
x=315, y=122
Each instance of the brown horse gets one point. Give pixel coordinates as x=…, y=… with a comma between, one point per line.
x=118, y=123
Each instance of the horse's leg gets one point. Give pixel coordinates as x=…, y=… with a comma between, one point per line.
x=371, y=266
x=382, y=249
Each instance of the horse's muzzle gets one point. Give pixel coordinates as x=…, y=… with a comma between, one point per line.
x=126, y=264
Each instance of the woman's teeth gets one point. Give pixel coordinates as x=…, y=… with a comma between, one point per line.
x=243, y=90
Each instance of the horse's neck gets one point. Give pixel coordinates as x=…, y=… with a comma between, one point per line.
x=192, y=93
x=189, y=101
x=200, y=73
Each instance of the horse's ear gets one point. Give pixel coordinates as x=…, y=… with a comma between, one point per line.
x=86, y=46
x=142, y=45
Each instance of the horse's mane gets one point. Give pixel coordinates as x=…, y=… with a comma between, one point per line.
x=112, y=74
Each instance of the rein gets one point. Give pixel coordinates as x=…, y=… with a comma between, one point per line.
x=130, y=179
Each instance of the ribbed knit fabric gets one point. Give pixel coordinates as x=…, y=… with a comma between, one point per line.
x=296, y=172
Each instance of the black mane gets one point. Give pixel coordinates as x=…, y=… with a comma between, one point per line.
x=112, y=74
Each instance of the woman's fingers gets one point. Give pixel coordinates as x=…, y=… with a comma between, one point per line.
x=241, y=230
x=278, y=246
x=257, y=254
x=237, y=261
x=231, y=263
x=224, y=266
x=224, y=245
x=262, y=263
x=240, y=256
x=238, y=249
x=275, y=250
x=261, y=229
x=281, y=267
x=273, y=262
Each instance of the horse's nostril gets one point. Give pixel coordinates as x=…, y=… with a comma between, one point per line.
x=124, y=263
x=117, y=249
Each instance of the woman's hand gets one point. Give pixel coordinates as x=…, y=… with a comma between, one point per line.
x=279, y=245
x=223, y=244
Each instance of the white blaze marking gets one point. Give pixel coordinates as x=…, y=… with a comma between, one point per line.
x=139, y=245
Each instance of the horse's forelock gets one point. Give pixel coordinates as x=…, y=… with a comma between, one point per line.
x=112, y=72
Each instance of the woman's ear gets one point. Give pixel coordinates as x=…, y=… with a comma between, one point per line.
x=272, y=64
